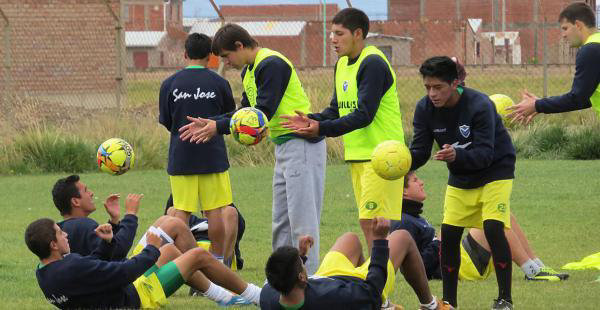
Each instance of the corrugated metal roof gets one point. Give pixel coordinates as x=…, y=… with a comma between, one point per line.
x=388, y=36
x=190, y=21
x=143, y=38
x=258, y=29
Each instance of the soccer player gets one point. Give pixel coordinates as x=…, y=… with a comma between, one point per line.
x=578, y=27
x=344, y=279
x=475, y=250
x=272, y=86
x=75, y=201
x=69, y=280
x=364, y=109
x=481, y=161
x=198, y=172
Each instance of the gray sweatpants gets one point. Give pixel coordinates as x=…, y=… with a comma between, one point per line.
x=298, y=188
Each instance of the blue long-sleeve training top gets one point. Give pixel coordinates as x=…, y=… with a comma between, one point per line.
x=196, y=92
x=585, y=82
x=88, y=282
x=83, y=239
x=484, y=150
x=341, y=292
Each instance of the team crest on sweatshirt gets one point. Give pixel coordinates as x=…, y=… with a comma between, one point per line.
x=465, y=130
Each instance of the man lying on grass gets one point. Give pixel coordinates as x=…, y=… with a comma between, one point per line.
x=69, y=280
x=75, y=201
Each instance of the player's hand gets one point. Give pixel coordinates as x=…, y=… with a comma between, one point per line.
x=295, y=122
x=380, y=227
x=187, y=132
x=111, y=204
x=304, y=244
x=205, y=133
x=153, y=239
x=105, y=232
x=447, y=153
x=524, y=111
x=132, y=203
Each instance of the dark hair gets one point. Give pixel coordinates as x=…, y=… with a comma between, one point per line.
x=226, y=37
x=38, y=236
x=352, y=19
x=406, y=177
x=62, y=192
x=578, y=11
x=283, y=268
x=197, y=46
x=441, y=67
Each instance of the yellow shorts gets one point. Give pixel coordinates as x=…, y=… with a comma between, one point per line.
x=152, y=295
x=468, y=271
x=376, y=196
x=470, y=207
x=337, y=264
x=212, y=190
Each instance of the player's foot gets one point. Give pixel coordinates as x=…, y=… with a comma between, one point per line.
x=236, y=300
x=387, y=305
x=194, y=292
x=543, y=276
x=562, y=276
x=501, y=304
x=441, y=305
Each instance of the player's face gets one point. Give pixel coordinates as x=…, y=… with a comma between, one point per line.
x=233, y=58
x=62, y=243
x=86, y=200
x=438, y=91
x=415, y=188
x=343, y=40
x=571, y=33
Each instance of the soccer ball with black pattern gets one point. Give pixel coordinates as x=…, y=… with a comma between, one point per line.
x=115, y=156
x=391, y=159
x=248, y=126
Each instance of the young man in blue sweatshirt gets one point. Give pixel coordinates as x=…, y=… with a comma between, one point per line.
x=481, y=162
x=578, y=27
x=345, y=280
x=475, y=251
x=69, y=280
x=198, y=172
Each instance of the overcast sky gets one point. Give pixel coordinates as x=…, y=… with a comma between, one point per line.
x=376, y=9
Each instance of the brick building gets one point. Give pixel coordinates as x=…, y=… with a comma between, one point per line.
x=527, y=17
x=279, y=12
x=152, y=15
x=60, y=50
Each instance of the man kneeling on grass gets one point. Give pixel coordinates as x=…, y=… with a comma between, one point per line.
x=69, y=280
x=345, y=280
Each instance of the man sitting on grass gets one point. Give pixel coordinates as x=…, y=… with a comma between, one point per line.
x=75, y=201
x=345, y=280
x=69, y=280
x=475, y=250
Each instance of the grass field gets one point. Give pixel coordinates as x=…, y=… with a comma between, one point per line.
x=556, y=203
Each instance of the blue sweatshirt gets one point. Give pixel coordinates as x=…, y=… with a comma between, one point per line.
x=585, y=82
x=84, y=282
x=341, y=292
x=83, y=239
x=423, y=234
x=196, y=92
x=484, y=150
x=374, y=78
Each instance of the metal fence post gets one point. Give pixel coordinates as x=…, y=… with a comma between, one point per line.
x=545, y=51
x=222, y=18
x=119, y=50
x=7, y=58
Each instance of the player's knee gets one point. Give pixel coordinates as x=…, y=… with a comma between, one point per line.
x=230, y=214
x=401, y=236
x=201, y=254
x=350, y=238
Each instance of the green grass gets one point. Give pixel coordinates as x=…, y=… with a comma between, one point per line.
x=555, y=202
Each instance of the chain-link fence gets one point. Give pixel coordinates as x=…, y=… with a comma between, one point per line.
x=63, y=58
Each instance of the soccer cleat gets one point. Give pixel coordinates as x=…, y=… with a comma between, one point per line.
x=543, y=276
x=387, y=305
x=501, y=304
x=441, y=305
x=562, y=276
x=236, y=300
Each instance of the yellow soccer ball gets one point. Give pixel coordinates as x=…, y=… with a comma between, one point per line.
x=115, y=156
x=502, y=102
x=248, y=126
x=391, y=159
